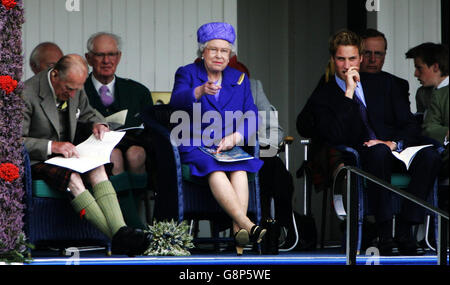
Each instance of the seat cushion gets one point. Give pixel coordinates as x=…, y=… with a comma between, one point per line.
x=400, y=180
x=42, y=190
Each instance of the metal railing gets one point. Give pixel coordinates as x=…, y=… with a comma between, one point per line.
x=352, y=215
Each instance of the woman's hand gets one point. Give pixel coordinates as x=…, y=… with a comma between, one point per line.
x=209, y=88
x=229, y=142
x=390, y=144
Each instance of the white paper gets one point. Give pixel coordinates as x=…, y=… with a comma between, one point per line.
x=117, y=118
x=140, y=127
x=408, y=154
x=92, y=152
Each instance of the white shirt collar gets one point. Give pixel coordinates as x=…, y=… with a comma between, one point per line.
x=443, y=83
x=98, y=85
x=51, y=86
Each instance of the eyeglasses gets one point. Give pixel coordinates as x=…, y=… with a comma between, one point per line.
x=103, y=55
x=377, y=54
x=215, y=51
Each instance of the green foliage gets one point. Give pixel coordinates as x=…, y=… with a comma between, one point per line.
x=169, y=239
x=18, y=254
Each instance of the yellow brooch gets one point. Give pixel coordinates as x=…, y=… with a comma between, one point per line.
x=241, y=79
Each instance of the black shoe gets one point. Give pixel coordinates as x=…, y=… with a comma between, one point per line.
x=409, y=247
x=387, y=247
x=130, y=241
x=257, y=233
x=407, y=244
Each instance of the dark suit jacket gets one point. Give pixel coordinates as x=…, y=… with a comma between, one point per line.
x=337, y=119
x=403, y=86
x=305, y=119
x=128, y=94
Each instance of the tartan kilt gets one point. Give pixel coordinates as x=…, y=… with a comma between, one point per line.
x=56, y=177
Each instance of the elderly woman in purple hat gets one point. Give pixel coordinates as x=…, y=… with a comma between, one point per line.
x=220, y=91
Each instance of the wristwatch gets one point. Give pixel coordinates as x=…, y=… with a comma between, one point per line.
x=399, y=145
x=395, y=145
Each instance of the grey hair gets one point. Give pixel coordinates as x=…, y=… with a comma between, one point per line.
x=90, y=42
x=71, y=62
x=202, y=46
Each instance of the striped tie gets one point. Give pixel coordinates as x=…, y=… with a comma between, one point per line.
x=365, y=118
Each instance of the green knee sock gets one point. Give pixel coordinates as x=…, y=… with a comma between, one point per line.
x=138, y=181
x=93, y=212
x=122, y=184
x=139, y=184
x=107, y=200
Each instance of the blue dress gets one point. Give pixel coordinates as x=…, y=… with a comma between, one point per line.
x=210, y=119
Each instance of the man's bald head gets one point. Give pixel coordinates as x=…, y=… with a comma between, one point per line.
x=44, y=55
x=68, y=76
x=72, y=64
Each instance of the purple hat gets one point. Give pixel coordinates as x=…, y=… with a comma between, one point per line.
x=216, y=30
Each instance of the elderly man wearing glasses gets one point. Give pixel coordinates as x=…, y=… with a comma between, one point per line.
x=375, y=46
x=110, y=94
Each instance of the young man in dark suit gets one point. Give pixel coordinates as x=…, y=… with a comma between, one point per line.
x=364, y=111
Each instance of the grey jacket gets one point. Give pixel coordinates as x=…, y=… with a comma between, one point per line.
x=263, y=104
x=41, y=121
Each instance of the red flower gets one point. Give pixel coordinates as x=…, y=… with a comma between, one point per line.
x=82, y=213
x=9, y=172
x=7, y=83
x=9, y=4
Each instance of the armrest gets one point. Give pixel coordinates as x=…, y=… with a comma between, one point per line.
x=287, y=140
x=350, y=150
x=27, y=179
x=166, y=158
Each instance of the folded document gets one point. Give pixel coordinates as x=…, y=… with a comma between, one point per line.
x=93, y=153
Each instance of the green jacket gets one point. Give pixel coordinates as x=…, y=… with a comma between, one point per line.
x=435, y=123
x=423, y=98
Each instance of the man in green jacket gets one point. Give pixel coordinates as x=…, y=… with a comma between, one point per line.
x=110, y=94
x=431, y=63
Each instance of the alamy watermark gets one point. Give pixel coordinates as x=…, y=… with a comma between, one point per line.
x=206, y=129
x=374, y=254
x=73, y=5
x=74, y=253
x=373, y=5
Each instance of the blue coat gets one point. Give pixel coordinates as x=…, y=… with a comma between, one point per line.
x=235, y=95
